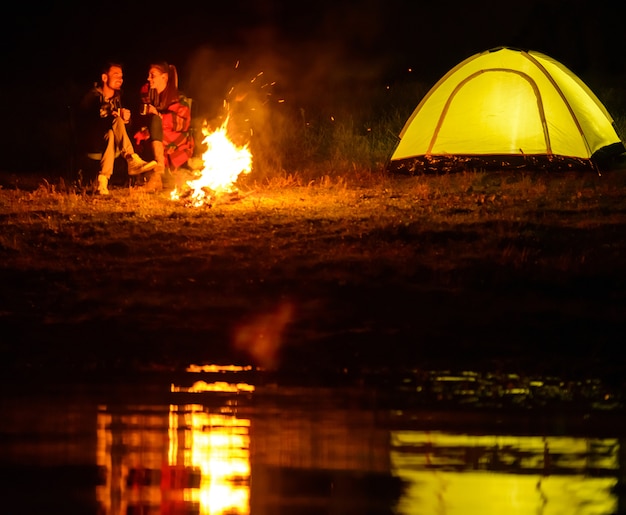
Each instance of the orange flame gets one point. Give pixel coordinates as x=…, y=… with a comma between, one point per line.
x=223, y=162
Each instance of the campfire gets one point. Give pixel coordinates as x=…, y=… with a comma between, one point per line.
x=223, y=163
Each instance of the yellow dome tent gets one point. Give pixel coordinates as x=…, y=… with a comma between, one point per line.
x=507, y=108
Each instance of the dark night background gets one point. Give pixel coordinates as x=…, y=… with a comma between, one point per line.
x=313, y=52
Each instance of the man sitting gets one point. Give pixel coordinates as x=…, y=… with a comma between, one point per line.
x=102, y=124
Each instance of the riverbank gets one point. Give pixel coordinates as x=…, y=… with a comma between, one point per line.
x=517, y=273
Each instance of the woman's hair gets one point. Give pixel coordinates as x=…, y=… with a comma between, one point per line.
x=170, y=93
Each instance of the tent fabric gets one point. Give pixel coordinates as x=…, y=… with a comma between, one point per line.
x=507, y=107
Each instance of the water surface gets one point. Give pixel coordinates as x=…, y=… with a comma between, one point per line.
x=231, y=440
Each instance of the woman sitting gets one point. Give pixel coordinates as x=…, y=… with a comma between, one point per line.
x=167, y=129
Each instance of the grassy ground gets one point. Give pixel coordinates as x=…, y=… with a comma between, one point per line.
x=514, y=272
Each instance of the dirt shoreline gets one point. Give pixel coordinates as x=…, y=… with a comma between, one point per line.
x=318, y=280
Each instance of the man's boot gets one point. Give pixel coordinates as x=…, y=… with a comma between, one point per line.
x=103, y=185
x=136, y=165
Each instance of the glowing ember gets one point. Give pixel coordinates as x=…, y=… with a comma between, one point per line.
x=223, y=161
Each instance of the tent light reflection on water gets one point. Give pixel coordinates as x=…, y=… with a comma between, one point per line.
x=494, y=474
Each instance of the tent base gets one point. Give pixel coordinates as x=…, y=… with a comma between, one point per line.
x=453, y=164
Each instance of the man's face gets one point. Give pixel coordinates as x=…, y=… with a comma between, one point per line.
x=114, y=78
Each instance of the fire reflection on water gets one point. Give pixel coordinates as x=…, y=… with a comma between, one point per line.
x=201, y=460
x=218, y=445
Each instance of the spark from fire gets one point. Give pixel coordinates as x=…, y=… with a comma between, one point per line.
x=224, y=162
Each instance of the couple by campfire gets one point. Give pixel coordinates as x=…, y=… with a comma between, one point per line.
x=163, y=141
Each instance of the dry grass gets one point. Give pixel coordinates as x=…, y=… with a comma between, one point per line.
x=505, y=214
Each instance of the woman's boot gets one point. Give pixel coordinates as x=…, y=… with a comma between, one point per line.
x=155, y=177
x=154, y=183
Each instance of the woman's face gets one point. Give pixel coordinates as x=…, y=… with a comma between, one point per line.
x=157, y=79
